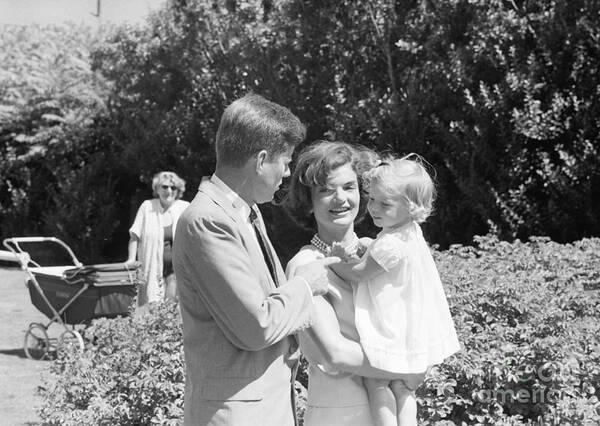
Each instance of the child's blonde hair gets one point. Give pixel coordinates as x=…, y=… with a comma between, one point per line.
x=406, y=177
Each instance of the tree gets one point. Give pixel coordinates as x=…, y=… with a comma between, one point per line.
x=499, y=96
x=51, y=101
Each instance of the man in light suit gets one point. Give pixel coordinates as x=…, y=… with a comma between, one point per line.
x=239, y=312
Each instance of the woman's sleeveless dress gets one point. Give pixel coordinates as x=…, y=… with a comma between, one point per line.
x=333, y=400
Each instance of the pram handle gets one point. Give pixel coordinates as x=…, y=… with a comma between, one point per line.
x=13, y=245
x=9, y=256
x=30, y=239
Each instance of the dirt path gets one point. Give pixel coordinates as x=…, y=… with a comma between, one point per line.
x=19, y=376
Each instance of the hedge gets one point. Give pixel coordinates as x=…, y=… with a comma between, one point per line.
x=527, y=316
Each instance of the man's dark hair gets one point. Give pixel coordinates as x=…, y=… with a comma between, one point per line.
x=253, y=123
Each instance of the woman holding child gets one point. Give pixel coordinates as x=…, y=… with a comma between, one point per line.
x=363, y=329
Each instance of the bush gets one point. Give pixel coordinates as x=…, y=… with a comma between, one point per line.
x=529, y=332
x=528, y=328
x=131, y=373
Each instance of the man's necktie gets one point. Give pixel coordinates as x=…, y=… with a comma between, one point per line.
x=264, y=246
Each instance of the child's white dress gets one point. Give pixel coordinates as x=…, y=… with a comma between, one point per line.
x=402, y=315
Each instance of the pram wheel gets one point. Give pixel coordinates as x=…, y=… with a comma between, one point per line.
x=68, y=339
x=37, y=343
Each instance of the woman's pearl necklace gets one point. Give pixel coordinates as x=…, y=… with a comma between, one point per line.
x=325, y=248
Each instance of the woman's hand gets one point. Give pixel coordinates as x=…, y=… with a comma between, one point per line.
x=129, y=263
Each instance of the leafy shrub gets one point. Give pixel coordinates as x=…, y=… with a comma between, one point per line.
x=131, y=373
x=529, y=332
x=528, y=329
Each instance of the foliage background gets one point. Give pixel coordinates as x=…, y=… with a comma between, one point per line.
x=500, y=96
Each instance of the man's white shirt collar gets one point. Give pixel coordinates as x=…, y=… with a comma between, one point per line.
x=238, y=202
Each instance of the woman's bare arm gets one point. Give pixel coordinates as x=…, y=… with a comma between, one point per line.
x=335, y=349
x=324, y=344
x=132, y=248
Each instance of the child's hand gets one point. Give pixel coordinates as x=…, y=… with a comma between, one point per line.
x=337, y=249
x=344, y=253
x=361, y=249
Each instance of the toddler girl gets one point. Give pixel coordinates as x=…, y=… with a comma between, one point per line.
x=402, y=315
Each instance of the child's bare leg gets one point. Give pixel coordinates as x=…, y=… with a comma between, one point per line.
x=381, y=401
x=406, y=402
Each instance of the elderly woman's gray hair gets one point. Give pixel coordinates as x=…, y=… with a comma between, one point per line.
x=168, y=178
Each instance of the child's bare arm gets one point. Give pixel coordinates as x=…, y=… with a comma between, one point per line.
x=353, y=269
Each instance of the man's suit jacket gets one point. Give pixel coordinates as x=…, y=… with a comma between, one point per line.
x=236, y=322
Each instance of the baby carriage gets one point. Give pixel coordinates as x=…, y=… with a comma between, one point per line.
x=71, y=295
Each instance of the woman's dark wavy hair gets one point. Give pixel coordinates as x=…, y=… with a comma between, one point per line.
x=313, y=166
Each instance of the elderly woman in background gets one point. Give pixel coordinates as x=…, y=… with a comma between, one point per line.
x=152, y=235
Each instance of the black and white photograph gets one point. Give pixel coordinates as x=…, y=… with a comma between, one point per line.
x=300, y=213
